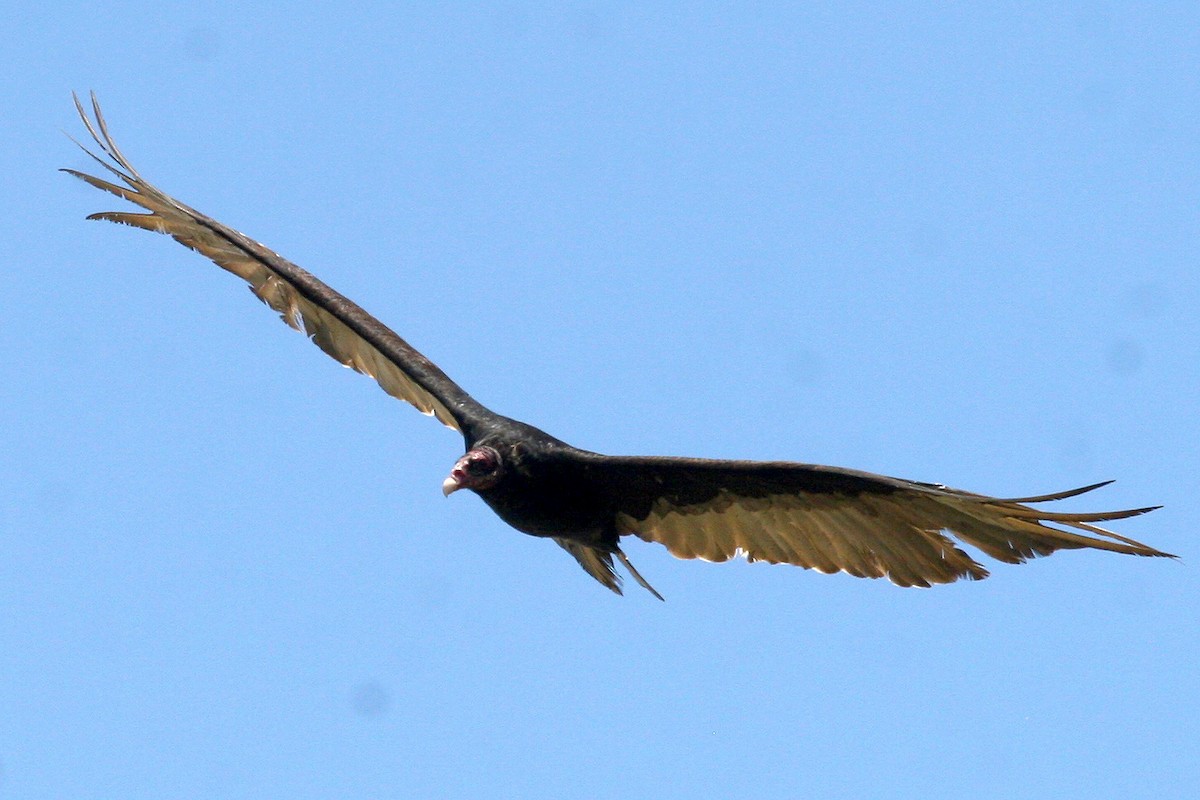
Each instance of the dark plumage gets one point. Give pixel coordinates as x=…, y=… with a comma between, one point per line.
x=823, y=518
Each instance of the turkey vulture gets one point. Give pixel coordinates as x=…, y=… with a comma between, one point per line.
x=824, y=518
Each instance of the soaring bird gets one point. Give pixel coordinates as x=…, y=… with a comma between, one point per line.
x=823, y=518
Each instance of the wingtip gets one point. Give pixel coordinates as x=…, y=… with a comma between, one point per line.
x=1063, y=495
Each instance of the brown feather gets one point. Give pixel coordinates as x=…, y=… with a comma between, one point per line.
x=337, y=325
x=836, y=520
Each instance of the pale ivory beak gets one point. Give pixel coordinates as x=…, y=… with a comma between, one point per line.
x=450, y=485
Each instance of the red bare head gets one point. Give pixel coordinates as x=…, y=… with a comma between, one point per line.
x=479, y=469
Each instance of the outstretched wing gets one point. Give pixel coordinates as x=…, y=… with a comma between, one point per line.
x=835, y=520
x=336, y=324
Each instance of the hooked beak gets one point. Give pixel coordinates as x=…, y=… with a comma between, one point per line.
x=450, y=485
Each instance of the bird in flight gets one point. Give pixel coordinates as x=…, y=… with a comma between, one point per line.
x=816, y=517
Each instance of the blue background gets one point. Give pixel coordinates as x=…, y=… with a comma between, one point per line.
x=954, y=244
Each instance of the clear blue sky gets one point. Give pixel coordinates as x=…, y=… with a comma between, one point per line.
x=949, y=244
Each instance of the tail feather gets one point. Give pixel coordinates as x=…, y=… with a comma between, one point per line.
x=598, y=563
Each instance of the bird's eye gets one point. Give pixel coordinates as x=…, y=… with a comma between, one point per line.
x=480, y=465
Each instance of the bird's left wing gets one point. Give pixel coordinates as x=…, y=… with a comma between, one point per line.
x=834, y=520
x=336, y=324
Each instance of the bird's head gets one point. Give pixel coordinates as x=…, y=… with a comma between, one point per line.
x=479, y=469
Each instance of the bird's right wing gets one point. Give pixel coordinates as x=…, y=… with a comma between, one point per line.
x=336, y=324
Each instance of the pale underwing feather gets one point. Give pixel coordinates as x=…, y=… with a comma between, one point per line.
x=902, y=530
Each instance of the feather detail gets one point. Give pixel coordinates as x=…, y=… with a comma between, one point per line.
x=595, y=562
